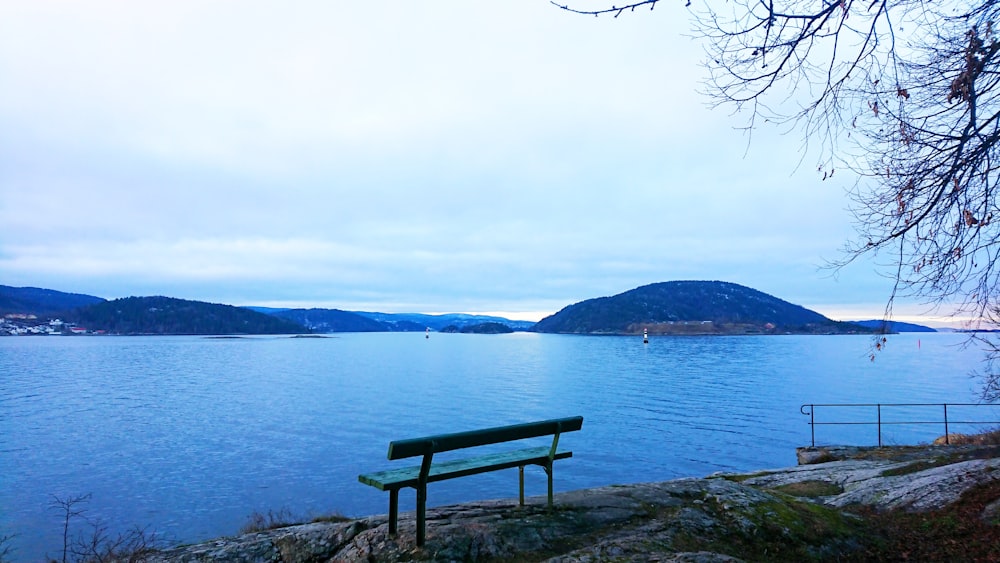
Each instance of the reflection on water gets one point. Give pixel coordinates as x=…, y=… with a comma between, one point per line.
x=190, y=435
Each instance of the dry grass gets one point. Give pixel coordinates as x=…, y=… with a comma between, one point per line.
x=987, y=438
x=258, y=522
x=810, y=489
x=954, y=533
x=5, y=548
x=334, y=518
x=916, y=467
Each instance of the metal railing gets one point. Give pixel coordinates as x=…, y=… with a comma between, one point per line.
x=942, y=408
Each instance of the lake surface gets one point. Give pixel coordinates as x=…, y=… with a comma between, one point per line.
x=190, y=435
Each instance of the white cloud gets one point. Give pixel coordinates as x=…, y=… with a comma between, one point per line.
x=423, y=156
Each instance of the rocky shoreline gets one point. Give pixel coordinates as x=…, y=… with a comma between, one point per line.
x=789, y=514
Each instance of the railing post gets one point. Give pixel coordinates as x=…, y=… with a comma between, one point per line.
x=946, y=442
x=812, y=423
x=879, y=407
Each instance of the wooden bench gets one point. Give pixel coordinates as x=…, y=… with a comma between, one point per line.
x=417, y=477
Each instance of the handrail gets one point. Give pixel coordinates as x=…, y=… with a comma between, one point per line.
x=809, y=409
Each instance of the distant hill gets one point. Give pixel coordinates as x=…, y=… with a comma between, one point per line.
x=267, y=310
x=691, y=307
x=331, y=320
x=481, y=328
x=167, y=315
x=41, y=302
x=419, y=322
x=894, y=326
x=48, y=303
x=335, y=320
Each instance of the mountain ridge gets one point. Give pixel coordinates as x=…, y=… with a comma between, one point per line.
x=672, y=307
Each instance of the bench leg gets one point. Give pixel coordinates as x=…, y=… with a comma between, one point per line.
x=548, y=471
x=421, y=514
x=393, y=510
x=520, y=471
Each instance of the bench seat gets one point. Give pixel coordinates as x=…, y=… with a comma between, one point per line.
x=441, y=470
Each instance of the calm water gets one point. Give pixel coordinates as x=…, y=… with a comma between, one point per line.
x=189, y=435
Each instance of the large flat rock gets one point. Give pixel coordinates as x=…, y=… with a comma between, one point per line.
x=721, y=518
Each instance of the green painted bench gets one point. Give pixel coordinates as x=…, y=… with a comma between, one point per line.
x=417, y=477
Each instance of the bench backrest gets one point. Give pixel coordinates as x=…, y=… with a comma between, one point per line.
x=400, y=449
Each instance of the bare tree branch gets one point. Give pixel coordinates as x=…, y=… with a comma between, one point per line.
x=616, y=10
x=903, y=93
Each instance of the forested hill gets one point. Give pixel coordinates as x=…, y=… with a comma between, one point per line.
x=332, y=320
x=691, y=307
x=167, y=315
x=38, y=301
x=893, y=326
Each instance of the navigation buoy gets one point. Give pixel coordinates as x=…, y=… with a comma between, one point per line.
x=645, y=336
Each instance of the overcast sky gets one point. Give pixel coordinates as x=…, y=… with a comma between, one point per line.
x=397, y=156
